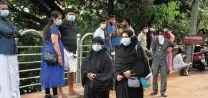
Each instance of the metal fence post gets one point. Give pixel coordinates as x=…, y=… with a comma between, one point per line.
x=78, y=74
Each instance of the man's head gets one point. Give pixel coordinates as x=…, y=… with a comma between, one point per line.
x=107, y=19
x=103, y=23
x=126, y=22
x=161, y=36
x=160, y=32
x=4, y=12
x=70, y=14
x=152, y=28
x=145, y=29
x=112, y=19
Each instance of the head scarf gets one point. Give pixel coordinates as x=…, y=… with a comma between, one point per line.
x=98, y=39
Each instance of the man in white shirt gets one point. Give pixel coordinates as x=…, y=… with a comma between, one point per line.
x=142, y=37
x=101, y=30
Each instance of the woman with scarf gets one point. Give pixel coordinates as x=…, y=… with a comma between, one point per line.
x=130, y=60
x=97, y=71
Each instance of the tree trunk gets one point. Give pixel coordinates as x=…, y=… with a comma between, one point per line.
x=192, y=29
x=110, y=7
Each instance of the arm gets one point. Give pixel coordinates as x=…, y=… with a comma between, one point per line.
x=173, y=45
x=139, y=38
x=54, y=38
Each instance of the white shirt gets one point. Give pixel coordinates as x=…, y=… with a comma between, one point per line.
x=178, y=62
x=99, y=32
x=143, y=39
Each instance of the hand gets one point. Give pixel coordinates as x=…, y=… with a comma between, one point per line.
x=120, y=77
x=15, y=35
x=91, y=76
x=114, y=23
x=60, y=60
x=127, y=74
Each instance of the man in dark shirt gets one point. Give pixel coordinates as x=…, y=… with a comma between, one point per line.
x=159, y=65
x=68, y=32
x=9, y=71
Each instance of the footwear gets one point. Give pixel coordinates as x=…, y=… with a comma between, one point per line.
x=62, y=96
x=153, y=93
x=56, y=96
x=47, y=96
x=163, y=95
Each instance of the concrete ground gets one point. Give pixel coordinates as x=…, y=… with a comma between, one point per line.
x=193, y=86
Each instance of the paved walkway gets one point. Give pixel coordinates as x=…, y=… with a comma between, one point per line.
x=193, y=86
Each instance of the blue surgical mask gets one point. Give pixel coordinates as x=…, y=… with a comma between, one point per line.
x=59, y=22
x=4, y=13
x=125, y=41
x=71, y=17
x=96, y=47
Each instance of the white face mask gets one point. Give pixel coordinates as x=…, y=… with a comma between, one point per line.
x=161, y=39
x=152, y=29
x=96, y=48
x=145, y=30
x=103, y=26
x=125, y=41
x=165, y=29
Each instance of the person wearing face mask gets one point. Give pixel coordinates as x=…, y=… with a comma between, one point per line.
x=101, y=29
x=142, y=37
x=9, y=71
x=159, y=47
x=97, y=71
x=69, y=32
x=130, y=61
x=168, y=35
x=52, y=75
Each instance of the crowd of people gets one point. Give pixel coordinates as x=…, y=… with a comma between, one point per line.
x=118, y=57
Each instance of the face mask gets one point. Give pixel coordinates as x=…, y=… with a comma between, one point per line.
x=152, y=29
x=71, y=17
x=145, y=30
x=125, y=41
x=4, y=13
x=103, y=26
x=96, y=48
x=161, y=39
x=59, y=22
x=165, y=29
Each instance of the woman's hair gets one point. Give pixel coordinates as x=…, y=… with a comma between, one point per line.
x=46, y=29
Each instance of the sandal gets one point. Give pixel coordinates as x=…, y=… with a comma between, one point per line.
x=47, y=96
x=56, y=96
x=62, y=96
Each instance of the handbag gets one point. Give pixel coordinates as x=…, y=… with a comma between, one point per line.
x=147, y=81
x=133, y=82
x=50, y=58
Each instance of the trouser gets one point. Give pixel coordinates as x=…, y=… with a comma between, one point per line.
x=9, y=75
x=162, y=69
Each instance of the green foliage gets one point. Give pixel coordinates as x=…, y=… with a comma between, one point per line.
x=165, y=14
x=203, y=15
